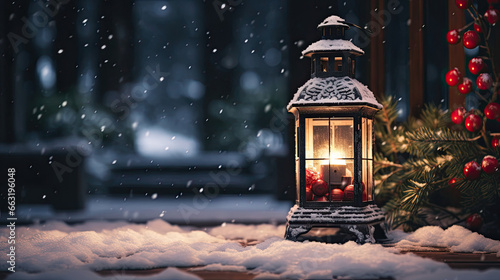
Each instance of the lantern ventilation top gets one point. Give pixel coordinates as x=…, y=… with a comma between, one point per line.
x=333, y=21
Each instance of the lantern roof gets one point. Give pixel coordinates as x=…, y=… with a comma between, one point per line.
x=333, y=21
x=328, y=45
x=333, y=91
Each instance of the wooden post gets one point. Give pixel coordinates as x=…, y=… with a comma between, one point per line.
x=416, y=55
x=377, y=59
x=456, y=55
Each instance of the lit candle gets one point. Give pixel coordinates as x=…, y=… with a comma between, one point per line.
x=333, y=173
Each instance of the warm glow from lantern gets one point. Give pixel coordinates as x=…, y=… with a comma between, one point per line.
x=335, y=159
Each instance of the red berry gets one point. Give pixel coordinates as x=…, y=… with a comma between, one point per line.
x=311, y=176
x=472, y=170
x=453, y=36
x=471, y=39
x=495, y=142
x=473, y=123
x=349, y=193
x=466, y=86
x=491, y=15
x=453, y=77
x=474, y=222
x=484, y=81
x=476, y=65
x=490, y=164
x=462, y=4
x=492, y=111
x=319, y=188
x=458, y=115
x=478, y=28
x=337, y=195
x=452, y=182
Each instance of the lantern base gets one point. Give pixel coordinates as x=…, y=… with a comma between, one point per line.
x=362, y=224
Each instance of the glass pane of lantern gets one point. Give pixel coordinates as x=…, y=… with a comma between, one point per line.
x=369, y=131
x=340, y=178
x=367, y=138
x=342, y=139
x=369, y=186
x=364, y=139
x=316, y=138
x=317, y=188
x=297, y=176
x=338, y=173
x=367, y=180
x=324, y=64
x=338, y=64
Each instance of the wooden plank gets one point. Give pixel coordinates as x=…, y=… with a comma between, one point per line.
x=456, y=55
x=476, y=261
x=416, y=55
x=204, y=274
x=377, y=60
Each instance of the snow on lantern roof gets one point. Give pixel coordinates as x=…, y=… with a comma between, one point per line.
x=333, y=20
x=333, y=91
x=332, y=45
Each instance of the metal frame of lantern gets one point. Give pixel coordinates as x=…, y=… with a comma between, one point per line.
x=332, y=95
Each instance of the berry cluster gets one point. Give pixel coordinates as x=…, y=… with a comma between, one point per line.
x=472, y=169
x=485, y=81
x=473, y=121
x=318, y=190
x=471, y=39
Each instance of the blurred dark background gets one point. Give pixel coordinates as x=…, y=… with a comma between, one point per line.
x=132, y=98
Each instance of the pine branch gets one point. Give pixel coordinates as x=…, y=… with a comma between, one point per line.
x=426, y=134
x=384, y=123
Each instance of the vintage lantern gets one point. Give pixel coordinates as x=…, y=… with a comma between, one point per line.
x=334, y=143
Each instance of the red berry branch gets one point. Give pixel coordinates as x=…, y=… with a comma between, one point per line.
x=486, y=86
x=476, y=34
x=424, y=168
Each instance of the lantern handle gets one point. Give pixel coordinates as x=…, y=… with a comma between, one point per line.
x=366, y=30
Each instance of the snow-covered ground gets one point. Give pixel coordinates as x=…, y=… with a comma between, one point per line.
x=58, y=251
